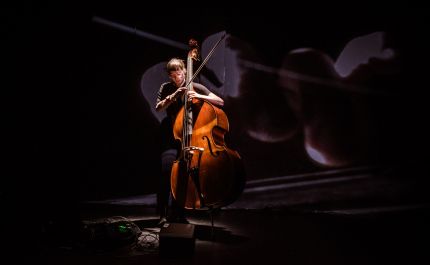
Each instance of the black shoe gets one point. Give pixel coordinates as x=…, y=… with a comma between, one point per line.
x=162, y=221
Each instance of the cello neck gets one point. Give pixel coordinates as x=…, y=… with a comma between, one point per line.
x=187, y=125
x=189, y=76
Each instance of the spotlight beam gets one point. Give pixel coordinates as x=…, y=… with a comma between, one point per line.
x=140, y=33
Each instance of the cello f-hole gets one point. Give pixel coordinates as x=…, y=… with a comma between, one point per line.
x=210, y=147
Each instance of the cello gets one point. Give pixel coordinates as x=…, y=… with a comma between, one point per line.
x=207, y=174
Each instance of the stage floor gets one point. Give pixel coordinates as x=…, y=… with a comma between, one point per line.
x=270, y=236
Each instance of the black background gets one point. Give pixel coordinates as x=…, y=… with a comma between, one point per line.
x=76, y=122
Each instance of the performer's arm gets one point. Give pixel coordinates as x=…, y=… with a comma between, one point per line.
x=212, y=98
x=162, y=105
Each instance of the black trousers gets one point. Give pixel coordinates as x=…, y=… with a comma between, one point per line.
x=170, y=150
x=163, y=197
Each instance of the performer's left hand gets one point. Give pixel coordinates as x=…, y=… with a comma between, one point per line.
x=193, y=94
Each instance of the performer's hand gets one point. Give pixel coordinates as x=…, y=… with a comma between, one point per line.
x=179, y=92
x=192, y=94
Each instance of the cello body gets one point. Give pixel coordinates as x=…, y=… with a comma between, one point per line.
x=207, y=174
x=220, y=177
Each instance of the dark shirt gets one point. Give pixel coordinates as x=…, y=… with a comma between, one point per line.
x=170, y=88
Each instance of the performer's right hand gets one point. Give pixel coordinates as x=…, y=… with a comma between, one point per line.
x=179, y=92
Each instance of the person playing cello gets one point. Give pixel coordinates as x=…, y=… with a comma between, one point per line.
x=170, y=100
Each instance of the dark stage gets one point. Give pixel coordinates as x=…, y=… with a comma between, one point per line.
x=267, y=236
x=327, y=107
x=380, y=230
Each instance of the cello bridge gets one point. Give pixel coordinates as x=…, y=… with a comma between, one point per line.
x=189, y=153
x=193, y=148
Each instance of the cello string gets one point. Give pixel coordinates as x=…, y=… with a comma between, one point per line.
x=183, y=124
x=184, y=121
x=186, y=138
x=186, y=102
x=186, y=141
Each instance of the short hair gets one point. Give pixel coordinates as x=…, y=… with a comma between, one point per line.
x=174, y=65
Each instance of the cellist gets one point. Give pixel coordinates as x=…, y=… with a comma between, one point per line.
x=170, y=99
